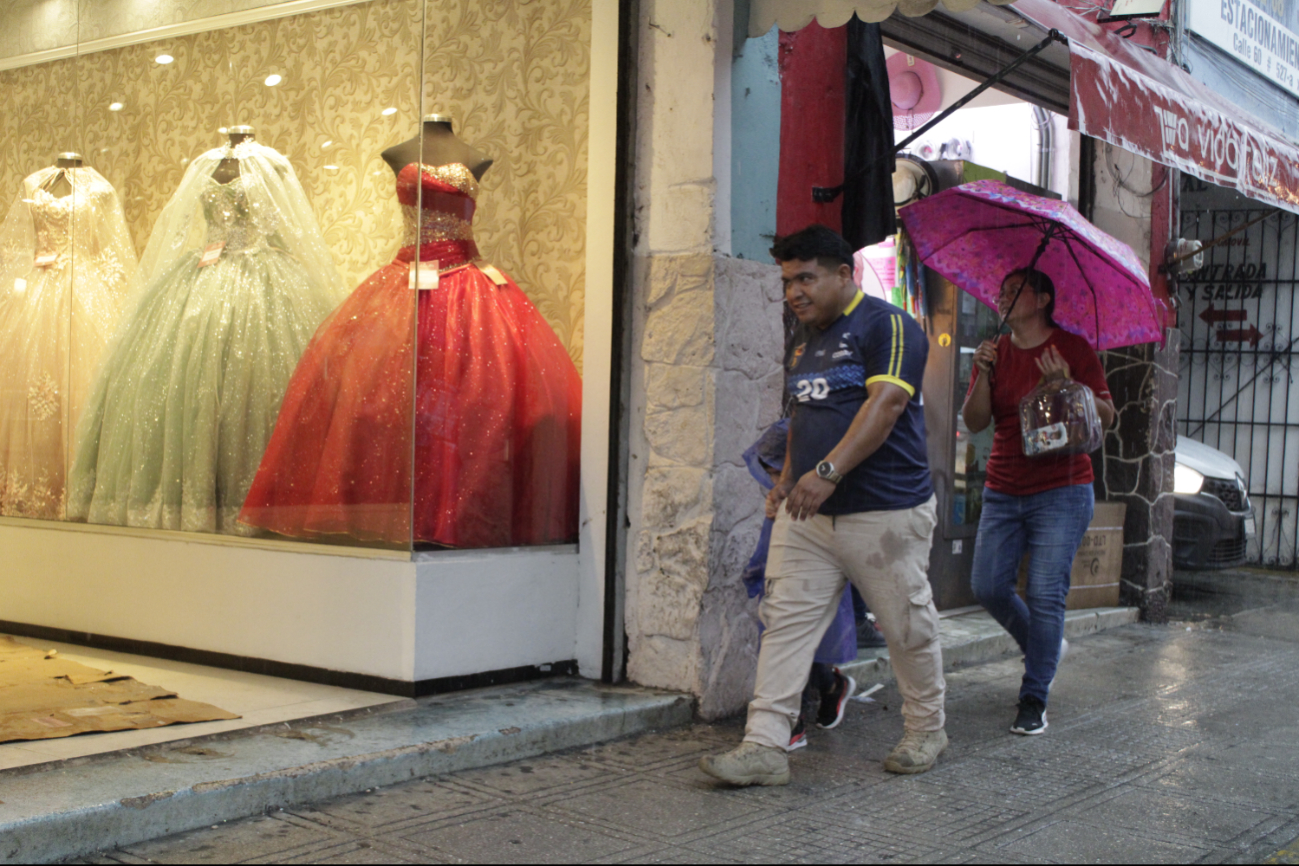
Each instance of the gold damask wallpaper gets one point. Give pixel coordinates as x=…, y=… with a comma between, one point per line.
x=44, y=101
x=514, y=74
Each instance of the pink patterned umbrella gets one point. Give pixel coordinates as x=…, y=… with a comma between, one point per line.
x=977, y=233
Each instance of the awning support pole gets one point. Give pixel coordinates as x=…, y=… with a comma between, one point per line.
x=822, y=194
x=1051, y=36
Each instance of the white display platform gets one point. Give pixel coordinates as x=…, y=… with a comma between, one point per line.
x=381, y=614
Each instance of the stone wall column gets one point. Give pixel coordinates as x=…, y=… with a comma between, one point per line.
x=705, y=374
x=1133, y=199
x=671, y=488
x=709, y=381
x=1136, y=467
x=748, y=380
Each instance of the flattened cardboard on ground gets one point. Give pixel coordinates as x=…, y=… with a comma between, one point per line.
x=45, y=697
x=1094, y=579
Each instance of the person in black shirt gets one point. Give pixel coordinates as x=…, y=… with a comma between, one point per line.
x=854, y=502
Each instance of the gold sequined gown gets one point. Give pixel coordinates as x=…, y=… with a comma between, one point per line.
x=64, y=266
x=447, y=415
x=191, y=384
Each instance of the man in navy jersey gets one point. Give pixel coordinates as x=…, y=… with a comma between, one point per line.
x=854, y=502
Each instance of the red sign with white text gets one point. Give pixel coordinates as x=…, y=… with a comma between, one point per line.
x=1116, y=103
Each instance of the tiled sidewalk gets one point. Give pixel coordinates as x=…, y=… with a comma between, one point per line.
x=135, y=786
x=1166, y=744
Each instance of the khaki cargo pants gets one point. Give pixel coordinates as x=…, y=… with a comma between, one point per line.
x=886, y=556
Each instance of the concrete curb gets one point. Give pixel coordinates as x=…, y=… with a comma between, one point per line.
x=76, y=809
x=988, y=642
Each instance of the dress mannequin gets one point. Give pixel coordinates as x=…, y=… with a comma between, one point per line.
x=60, y=186
x=439, y=413
x=228, y=169
x=66, y=262
x=235, y=279
x=436, y=145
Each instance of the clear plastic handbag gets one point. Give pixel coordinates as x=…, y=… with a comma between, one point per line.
x=1059, y=417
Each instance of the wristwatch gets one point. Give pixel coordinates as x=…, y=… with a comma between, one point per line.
x=825, y=469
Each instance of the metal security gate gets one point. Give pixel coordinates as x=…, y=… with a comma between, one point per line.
x=1240, y=331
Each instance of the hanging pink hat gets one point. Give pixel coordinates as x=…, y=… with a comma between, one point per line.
x=913, y=87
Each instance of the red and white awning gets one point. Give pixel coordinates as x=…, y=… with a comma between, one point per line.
x=1123, y=94
x=1137, y=101
x=1111, y=102
x=796, y=14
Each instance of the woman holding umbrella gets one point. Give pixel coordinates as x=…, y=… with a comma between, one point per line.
x=1082, y=290
x=1041, y=504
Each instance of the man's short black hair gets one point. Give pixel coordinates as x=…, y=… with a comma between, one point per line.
x=825, y=245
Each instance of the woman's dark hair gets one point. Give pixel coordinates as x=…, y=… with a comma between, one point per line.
x=1041, y=284
x=825, y=245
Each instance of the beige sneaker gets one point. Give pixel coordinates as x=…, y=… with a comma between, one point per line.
x=917, y=752
x=750, y=764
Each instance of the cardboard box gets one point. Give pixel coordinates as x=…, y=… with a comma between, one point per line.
x=1094, y=581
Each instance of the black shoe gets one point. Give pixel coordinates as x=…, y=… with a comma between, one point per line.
x=798, y=736
x=868, y=636
x=835, y=701
x=1031, y=719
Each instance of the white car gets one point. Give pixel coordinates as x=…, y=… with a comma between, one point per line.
x=1212, y=517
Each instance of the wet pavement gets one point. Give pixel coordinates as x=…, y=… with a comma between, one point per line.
x=1169, y=743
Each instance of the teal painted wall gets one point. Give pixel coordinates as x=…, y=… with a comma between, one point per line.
x=755, y=146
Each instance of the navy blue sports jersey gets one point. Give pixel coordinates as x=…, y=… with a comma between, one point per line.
x=827, y=372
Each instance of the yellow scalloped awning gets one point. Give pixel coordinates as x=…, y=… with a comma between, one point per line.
x=797, y=14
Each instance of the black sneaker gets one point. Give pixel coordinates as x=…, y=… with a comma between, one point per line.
x=869, y=636
x=798, y=736
x=834, y=701
x=1031, y=719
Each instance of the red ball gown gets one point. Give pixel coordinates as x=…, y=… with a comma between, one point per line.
x=462, y=393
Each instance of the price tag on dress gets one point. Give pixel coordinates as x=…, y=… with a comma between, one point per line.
x=492, y=274
x=424, y=277
x=46, y=260
x=211, y=254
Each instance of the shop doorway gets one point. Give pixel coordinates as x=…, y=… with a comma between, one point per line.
x=1006, y=138
x=998, y=135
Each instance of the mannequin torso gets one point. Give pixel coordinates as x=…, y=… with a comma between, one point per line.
x=59, y=185
x=436, y=145
x=228, y=169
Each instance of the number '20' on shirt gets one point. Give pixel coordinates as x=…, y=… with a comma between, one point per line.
x=827, y=371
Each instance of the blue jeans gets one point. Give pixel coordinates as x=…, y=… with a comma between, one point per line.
x=1049, y=526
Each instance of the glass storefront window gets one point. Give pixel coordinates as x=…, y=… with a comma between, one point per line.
x=313, y=277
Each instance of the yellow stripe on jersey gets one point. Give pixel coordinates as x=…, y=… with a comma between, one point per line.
x=895, y=359
x=901, y=383
x=853, y=304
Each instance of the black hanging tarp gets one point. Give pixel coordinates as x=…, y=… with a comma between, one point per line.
x=868, y=215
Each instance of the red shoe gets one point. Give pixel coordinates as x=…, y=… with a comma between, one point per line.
x=835, y=701
x=798, y=736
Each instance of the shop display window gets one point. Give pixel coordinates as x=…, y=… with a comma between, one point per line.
x=314, y=277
